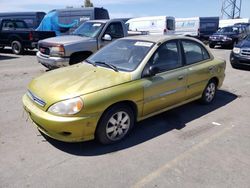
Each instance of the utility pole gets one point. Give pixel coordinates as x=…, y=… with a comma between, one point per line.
x=231, y=9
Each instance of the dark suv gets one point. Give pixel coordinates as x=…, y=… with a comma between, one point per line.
x=240, y=55
x=228, y=36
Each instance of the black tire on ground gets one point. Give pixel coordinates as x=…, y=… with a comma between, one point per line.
x=17, y=47
x=211, y=45
x=115, y=124
x=209, y=92
x=74, y=59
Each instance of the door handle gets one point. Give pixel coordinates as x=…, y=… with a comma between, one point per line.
x=180, y=77
x=211, y=68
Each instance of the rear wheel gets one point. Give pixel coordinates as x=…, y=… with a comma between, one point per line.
x=209, y=92
x=17, y=47
x=115, y=124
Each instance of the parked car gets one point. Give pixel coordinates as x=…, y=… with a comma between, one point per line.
x=32, y=19
x=227, y=36
x=240, y=55
x=15, y=33
x=71, y=49
x=154, y=25
x=129, y=80
x=198, y=27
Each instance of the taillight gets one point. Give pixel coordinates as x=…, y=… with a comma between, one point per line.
x=30, y=36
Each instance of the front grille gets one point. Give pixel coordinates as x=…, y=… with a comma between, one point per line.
x=44, y=50
x=36, y=99
x=245, y=52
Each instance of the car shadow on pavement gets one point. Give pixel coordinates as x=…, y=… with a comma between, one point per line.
x=149, y=128
x=5, y=57
x=27, y=52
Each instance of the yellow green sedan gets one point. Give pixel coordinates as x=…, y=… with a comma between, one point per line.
x=127, y=81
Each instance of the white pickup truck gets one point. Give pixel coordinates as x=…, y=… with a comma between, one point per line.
x=86, y=39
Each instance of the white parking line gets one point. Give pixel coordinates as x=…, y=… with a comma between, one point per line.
x=153, y=175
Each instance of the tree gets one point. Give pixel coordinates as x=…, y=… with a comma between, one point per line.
x=87, y=3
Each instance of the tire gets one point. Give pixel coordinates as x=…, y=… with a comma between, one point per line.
x=78, y=58
x=209, y=92
x=115, y=124
x=211, y=45
x=17, y=47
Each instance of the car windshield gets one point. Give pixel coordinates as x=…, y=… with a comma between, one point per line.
x=125, y=55
x=228, y=30
x=89, y=29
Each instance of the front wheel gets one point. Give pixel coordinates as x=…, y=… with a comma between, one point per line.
x=209, y=92
x=17, y=47
x=211, y=45
x=115, y=124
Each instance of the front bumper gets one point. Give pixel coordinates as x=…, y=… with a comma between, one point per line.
x=67, y=129
x=52, y=62
x=240, y=61
x=221, y=42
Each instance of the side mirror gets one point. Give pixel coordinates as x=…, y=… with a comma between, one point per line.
x=107, y=37
x=151, y=71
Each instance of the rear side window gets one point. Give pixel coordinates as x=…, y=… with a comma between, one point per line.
x=8, y=25
x=170, y=24
x=194, y=52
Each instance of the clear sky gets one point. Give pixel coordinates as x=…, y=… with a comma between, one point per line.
x=130, y=8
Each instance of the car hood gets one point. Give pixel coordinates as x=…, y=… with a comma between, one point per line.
x=67, y=39
x=244, y=44
x=73, y=81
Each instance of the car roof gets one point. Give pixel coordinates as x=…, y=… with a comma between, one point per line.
x=158, y=38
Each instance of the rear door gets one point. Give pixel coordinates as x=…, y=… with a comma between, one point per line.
x=199, y=67
x=168, y=86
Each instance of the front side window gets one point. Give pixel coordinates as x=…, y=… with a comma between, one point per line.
x=115, y=30
x=194, y=52
x=170, y=24
x=167, y=56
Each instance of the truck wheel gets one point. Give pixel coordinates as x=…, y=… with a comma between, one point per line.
x=115, y=124
x=77, y=58
x=211, y=45
x=17, y=47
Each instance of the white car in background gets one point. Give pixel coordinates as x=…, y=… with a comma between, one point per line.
x=154, y=25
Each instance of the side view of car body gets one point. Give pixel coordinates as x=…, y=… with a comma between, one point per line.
x=126, y=81
x=240, y=55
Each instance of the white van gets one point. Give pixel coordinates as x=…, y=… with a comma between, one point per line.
x=230, y=22
x=153, y=25
x=187, y=26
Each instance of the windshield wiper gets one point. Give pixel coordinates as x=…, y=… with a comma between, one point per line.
x=107, y=64
x=90, y=62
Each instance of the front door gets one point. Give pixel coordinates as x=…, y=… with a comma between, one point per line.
x=168, y=86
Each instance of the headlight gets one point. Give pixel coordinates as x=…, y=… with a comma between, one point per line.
x=236, y=50
x=57, y=50
x=227, y=38
x=67, y=107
